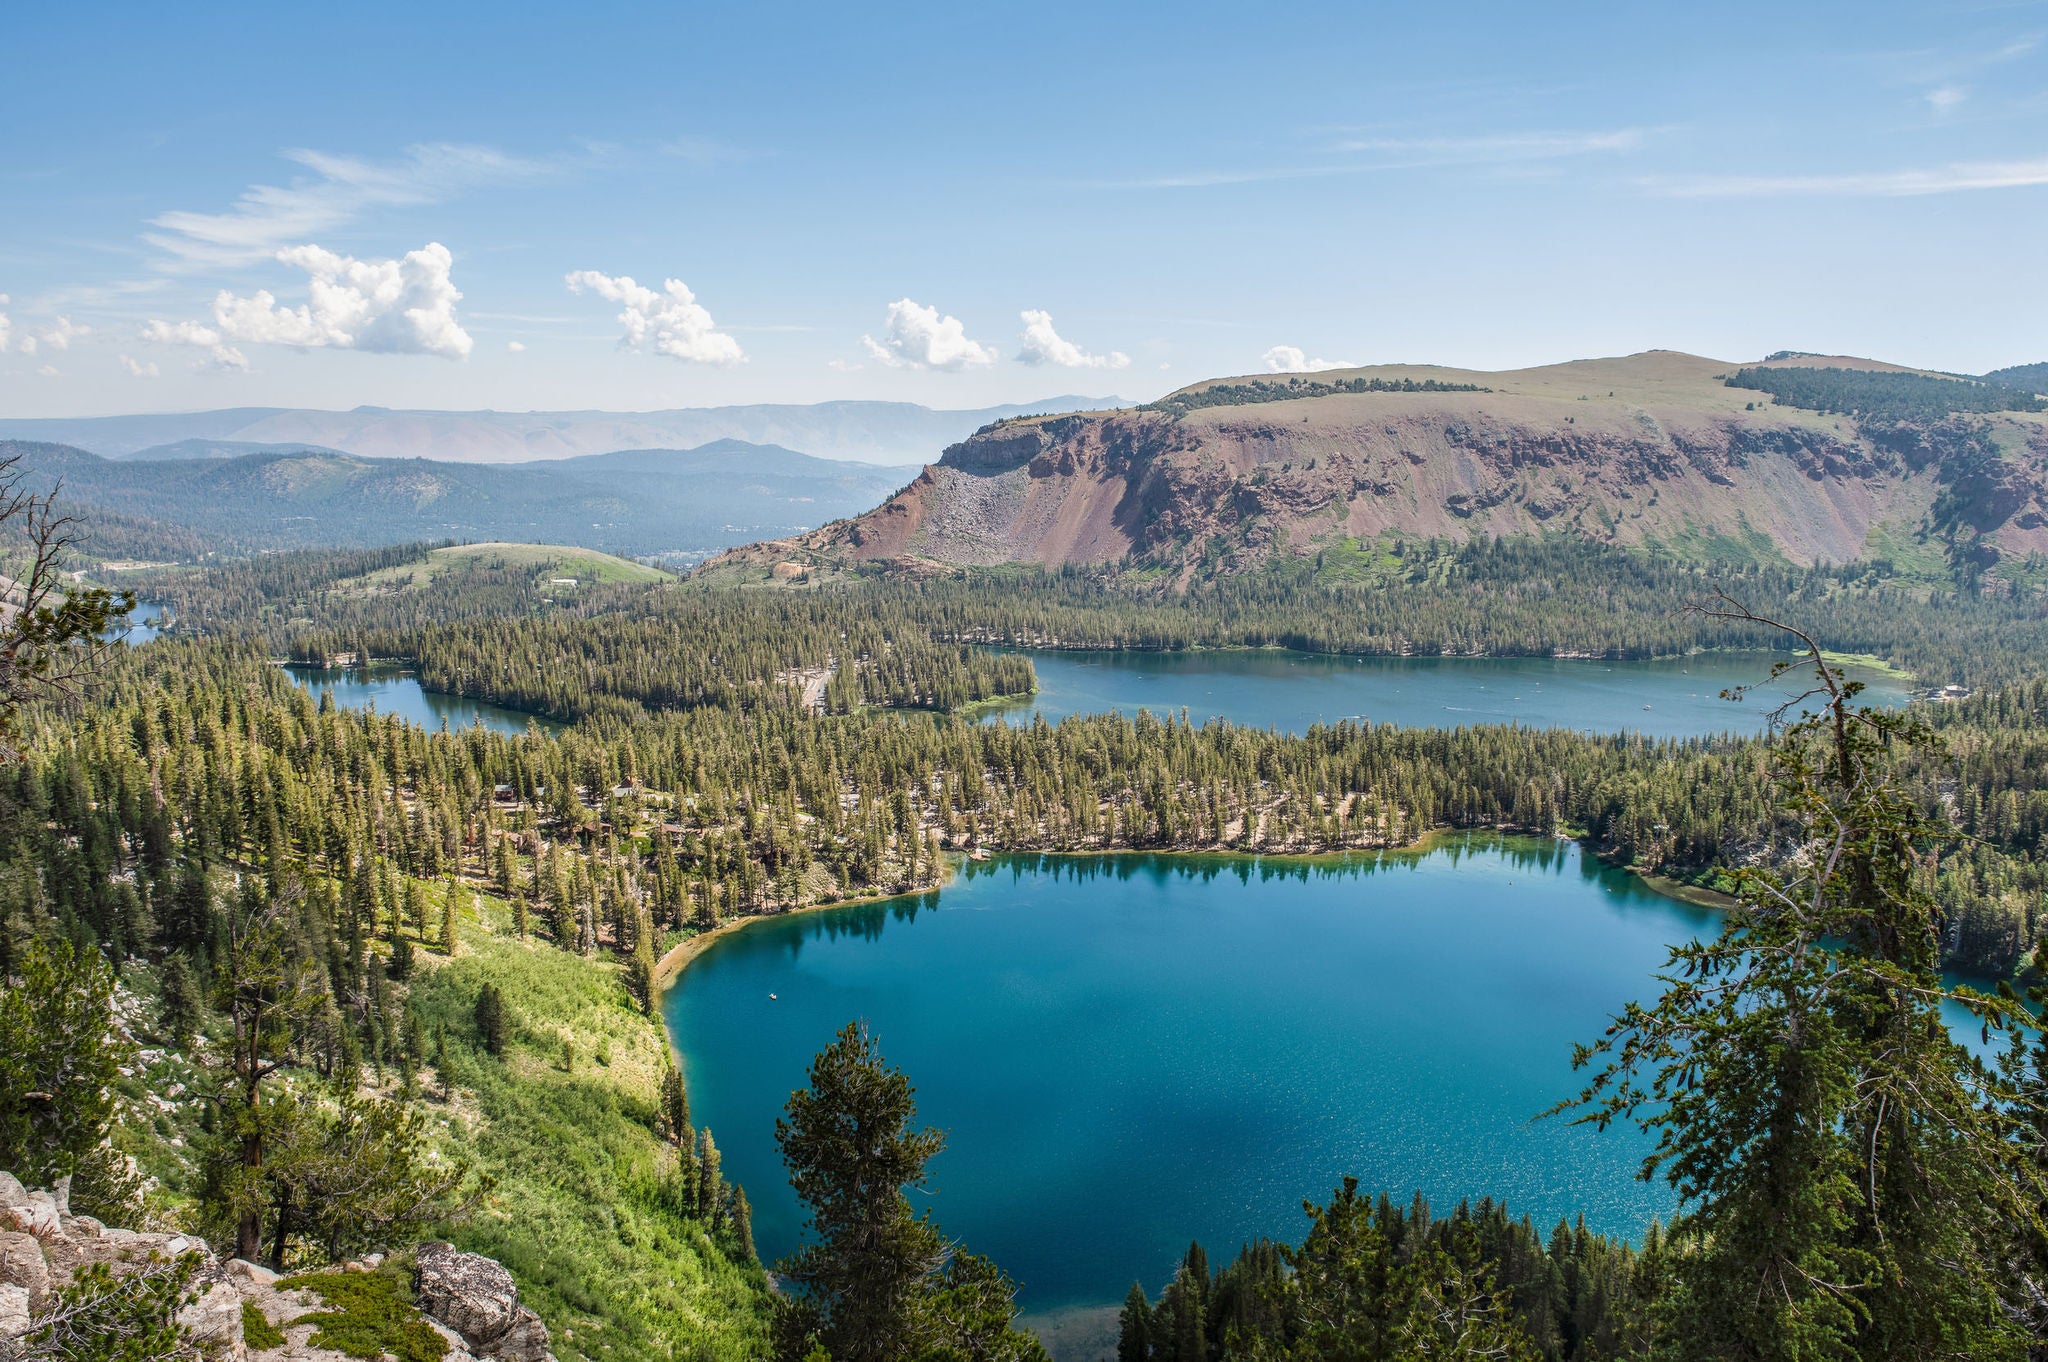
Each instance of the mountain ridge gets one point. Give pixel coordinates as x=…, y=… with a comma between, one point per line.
x=678, y=503
x=852, y=431
x=1653, y=450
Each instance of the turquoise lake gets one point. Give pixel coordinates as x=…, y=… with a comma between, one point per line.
x=1274, y=688
x=393, y=690
x=1131, y=1050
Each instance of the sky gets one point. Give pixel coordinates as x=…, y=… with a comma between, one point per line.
x=619, y=206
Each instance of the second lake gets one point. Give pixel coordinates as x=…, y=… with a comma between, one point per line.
x=1274, y=688
x=396, y=691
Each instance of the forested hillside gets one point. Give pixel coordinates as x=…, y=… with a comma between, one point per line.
x=648, y=502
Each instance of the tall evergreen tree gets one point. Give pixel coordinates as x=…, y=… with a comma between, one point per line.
x=879, y=1283
x=1850, y=1173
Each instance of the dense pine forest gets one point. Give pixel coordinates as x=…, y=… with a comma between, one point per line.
x=451, y=908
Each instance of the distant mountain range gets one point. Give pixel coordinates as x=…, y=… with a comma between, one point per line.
x=1800, y=459
x=867, y=432
x=673, y=503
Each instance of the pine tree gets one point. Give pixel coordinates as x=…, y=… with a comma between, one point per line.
x=743, y=1225
x=177, y=1002
x=710, y=1184
x=1851, y=1173
x=489, y=1017
x=453, y=904
x=675, y=1105
x=1134, y=1327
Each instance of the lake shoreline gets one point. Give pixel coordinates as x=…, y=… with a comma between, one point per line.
x=1867, y=661
x=668, y=971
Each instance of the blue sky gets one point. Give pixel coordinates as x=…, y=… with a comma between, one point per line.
x=217, y=204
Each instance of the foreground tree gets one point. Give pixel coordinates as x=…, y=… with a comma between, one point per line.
x=267, y=989
x=60, y=1054
x=53, y=634
x=99, y=1317
x=880, y=1283
x=1852, y=1176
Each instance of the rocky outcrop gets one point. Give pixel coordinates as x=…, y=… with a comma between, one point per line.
x=478, y=1299
x=43, y=1245
x=1651, y=450
x=471, y=1301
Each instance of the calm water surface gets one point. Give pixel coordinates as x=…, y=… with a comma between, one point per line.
x=145, y=622
x=1131, y=1050
x=1273, y=688
x=393, y=690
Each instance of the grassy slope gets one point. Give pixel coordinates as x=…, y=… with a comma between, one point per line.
x=582, y=1211
x=556, y=560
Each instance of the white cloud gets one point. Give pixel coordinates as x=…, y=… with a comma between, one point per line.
x=844, y=366
x=516, y=347
x=919, y=338
x=47, y=371
x=1956, y=177
x=6, y=326
x=220, y=354
x=27, y=346
x=1043, y=345
x=266, y=218
x=1292, y=359
x=59, y=334
x=138, y=370
x=673, y=321
x=400, y=307
x=1944, y=99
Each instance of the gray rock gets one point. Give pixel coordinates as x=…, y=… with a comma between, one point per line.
x=12, y=1193
x=82, y=1227
x=13, y=1311
x=60, y=1192
x=254, y=1273
x=22, y=1264
x=215, y=1321
x=458, y=1346
x=479, y=1300
x=35, y=1214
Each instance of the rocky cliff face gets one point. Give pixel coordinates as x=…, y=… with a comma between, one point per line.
x=469, y=1301
x=1648, y=450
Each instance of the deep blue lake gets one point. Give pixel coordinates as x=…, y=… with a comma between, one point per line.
x=394, y=690
x=1131, y=1050
x=1274, y=688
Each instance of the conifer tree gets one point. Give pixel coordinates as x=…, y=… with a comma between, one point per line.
x=1850, y=1173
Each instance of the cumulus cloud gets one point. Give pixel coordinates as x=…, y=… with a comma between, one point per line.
x=1043, y=345
x=919, y=338
x=394, y=307
x=1292, y=359
x=60, y=333
x=671, y=322
x=220, y=354
x=138, y=370
x=516, y=347
x=47, y=371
